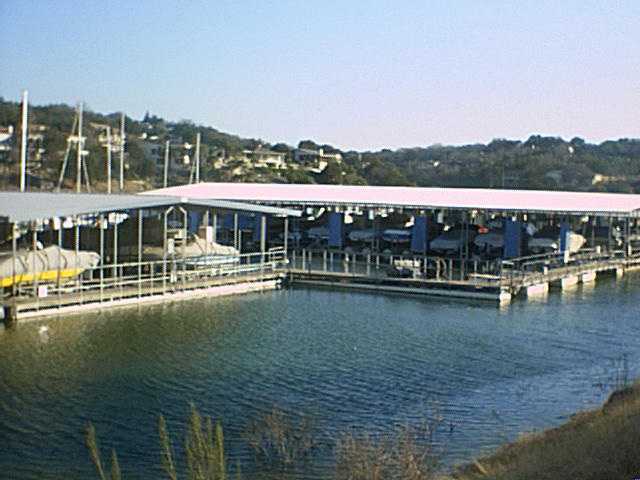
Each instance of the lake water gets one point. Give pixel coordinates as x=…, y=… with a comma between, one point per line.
x=349, y=360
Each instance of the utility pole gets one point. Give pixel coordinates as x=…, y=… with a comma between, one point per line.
x=80, y=145
x=198, y=157
x=23, y=141
x=122, y=152
x=166, y=163
x=108, y=159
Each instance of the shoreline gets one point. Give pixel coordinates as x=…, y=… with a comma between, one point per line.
x=593, y=444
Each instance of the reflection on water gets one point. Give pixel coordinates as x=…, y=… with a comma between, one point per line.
x=350, y=360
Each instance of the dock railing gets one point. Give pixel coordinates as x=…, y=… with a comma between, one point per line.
x=514, y=272
x=532, y=269
x=153, y=277
x=385, y=264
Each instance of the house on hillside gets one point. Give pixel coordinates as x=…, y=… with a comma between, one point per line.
x=180, y=152
x=6, y=142
x=264, y=158
x=315, y=160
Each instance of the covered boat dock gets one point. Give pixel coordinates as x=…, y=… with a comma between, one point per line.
x=63, y=252
x=476, y=243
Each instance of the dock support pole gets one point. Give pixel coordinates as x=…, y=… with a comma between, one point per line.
x=185, y=219
x=215, y=227
x=263, y=242
x=627, y=233
x=462, y=244
x=76, y=222
x=165, y=245
x=14, y=252
x=59, y=276
x=34, y=247
x=235, y=231
x=10, y=311
x=115, y=254
x=140, y=226
x=102, y=225
x=286, y=237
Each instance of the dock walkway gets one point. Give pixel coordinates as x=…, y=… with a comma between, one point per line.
x=497, y=280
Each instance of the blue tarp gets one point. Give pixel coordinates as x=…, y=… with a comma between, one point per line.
x=193, y=221
x=245, y=222
x=257, y=226
x=419, y=235
x=565, y=230
x=512, y=238
x=336, y=234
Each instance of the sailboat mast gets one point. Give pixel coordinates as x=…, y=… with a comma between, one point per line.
x=198, y=157
x=23, y=141
x=80, y=142
x=122, y=152
x=108, y=159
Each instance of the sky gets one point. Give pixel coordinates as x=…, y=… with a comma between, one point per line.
x=356, y=74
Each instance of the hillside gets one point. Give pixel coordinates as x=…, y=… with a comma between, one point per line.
x=536, y=163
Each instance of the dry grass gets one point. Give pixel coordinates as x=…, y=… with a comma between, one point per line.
x=278, y=437
x=601, y=444
x=409, y=454
x=204, y=450
x=596, y=445
x=91, y=442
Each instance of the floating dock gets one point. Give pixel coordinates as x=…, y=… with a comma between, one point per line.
x=119, y=231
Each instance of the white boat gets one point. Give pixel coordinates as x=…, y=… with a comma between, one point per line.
x=49, y=263
x=198, y=252
x=547, y=241
x=394, y=235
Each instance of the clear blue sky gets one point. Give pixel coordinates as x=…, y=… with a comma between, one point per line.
x=356, y=74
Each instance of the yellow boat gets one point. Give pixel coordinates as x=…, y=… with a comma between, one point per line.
x=46, y=265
